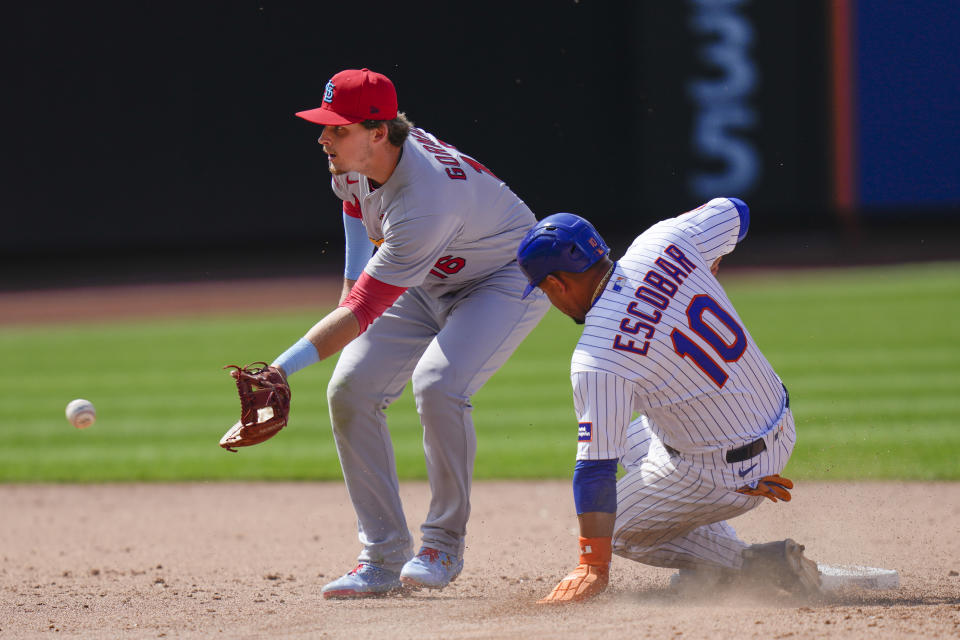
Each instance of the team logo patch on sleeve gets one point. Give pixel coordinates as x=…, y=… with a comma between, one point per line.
x=585, y=432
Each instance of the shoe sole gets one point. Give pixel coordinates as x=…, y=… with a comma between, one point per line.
x=415, y=585
x=349, y=594
x=805, y=569
x=701, y=583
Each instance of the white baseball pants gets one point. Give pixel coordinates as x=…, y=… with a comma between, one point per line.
x=672, y=507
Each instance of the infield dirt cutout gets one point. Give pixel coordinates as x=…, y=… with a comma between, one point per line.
x=249, y=560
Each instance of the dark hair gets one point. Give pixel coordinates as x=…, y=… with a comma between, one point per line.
x=397, y=129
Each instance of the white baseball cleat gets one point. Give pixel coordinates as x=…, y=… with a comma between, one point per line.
x=365, y=581
x=431, y=568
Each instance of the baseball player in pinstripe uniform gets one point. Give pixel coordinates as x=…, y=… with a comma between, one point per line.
x=436, y=304
x=662, y=340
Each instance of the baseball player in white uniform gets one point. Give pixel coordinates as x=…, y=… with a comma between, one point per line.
x=662, y=340
x=435, y=304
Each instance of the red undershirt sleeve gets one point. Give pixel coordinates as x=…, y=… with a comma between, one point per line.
x=352, y=209
x=369, y=298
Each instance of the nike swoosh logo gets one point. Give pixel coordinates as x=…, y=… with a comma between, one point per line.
x=744, y=472
x=349, y=181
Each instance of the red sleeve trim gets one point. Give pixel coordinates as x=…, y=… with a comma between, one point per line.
x=369, y=298
x=352, y=209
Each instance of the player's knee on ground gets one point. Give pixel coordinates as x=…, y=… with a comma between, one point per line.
x=619, y=546
x=646, y=546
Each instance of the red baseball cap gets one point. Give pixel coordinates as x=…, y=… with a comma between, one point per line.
x=354, y=96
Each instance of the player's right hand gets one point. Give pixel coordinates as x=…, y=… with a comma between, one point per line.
x=586, y=581
x=772, y=487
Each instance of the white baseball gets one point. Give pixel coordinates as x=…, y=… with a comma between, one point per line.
x=81, y=413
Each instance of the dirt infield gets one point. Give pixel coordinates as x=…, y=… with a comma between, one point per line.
x=248, y=561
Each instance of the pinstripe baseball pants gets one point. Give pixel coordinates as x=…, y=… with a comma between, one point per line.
x=672, y=507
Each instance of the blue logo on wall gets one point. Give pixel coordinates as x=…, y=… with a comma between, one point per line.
x=585, y=432
x=328, y=92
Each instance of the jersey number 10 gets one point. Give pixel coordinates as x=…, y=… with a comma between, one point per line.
x=686, y=347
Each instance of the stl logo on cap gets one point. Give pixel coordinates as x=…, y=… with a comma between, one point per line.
x=352, y=96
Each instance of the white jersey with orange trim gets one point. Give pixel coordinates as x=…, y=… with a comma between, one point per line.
x=441, y=220
x=665, y=341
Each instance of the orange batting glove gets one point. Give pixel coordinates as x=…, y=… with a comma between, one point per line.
x=589, y=578
x=772, y=487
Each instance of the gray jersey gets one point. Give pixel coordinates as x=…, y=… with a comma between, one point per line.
x=441, y=220
x=664, y=340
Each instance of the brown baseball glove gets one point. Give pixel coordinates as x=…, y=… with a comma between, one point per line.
x=264, y=405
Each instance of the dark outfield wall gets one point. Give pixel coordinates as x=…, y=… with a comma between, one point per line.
x=136, y=126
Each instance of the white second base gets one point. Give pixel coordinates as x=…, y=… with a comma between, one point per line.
x=833, y=577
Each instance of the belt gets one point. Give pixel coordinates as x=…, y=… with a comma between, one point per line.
x=739, y=454
x=747, y=451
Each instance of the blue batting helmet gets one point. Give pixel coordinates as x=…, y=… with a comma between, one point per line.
x=561, y=242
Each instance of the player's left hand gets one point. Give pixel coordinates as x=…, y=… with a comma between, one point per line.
x=772, y=487
x=264, y=405
x=586, y=581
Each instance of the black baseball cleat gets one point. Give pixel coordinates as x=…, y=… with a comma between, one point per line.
x=784, y=564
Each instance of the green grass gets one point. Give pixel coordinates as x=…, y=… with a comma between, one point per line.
x=871, y=356
x=872, y=359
